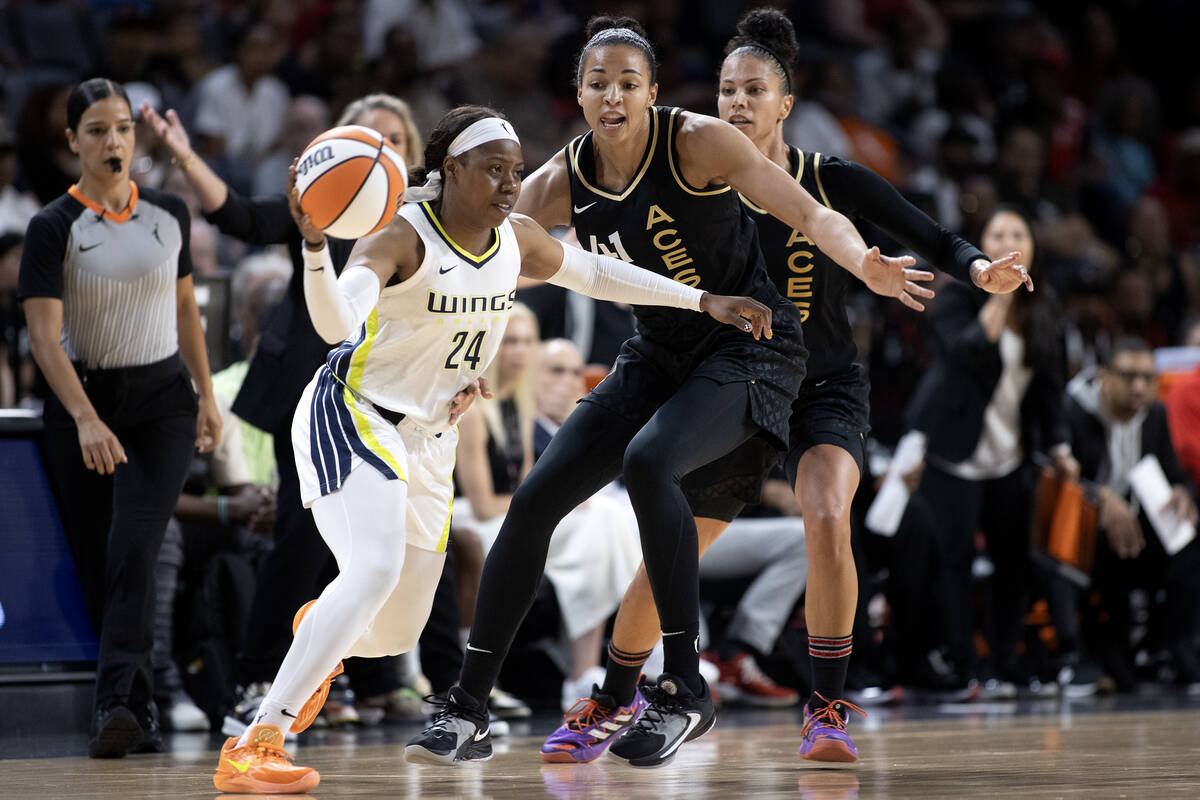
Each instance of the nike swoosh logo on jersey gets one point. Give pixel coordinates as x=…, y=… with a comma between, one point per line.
x=83, y=249
x=477, y=649
x=819, y=383
x=444, y=270
x=581, y=209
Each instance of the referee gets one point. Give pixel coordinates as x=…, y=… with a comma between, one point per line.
x=106, y=282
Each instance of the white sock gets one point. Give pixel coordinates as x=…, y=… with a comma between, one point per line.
x=270, y=713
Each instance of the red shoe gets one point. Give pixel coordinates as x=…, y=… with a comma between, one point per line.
x=262, y=766
x=313, y=705
x=741, y=681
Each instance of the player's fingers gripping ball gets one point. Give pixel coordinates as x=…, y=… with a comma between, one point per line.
x=351, y=181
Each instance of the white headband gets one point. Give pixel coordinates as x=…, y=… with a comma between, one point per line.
x=489, y=129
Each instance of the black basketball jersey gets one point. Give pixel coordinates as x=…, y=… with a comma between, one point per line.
x=808, y=277
x=700, y=236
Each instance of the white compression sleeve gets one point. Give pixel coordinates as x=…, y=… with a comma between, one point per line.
x=337, y=305
x=611, y=279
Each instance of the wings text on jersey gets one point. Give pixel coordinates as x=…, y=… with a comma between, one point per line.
x=442, y=303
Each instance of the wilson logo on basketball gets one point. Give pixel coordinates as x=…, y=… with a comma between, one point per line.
x=314, y=158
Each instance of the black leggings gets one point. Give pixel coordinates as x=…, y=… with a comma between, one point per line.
x=702, y=421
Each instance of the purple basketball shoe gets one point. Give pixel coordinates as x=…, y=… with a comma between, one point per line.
x=824, y=736
x=589, y=727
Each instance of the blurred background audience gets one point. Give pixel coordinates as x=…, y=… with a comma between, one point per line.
x=1059, y=119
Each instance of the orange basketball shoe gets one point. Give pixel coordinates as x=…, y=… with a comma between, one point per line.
x=262, y=766
x=313, y=705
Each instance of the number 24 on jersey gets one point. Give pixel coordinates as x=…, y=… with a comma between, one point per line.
x=465, y=350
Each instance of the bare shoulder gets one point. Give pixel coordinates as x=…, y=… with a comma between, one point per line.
x=699, y=131
x=395, y=248
x=531, y=236
x=546, y=194
x=523, y=223
x=708, y=148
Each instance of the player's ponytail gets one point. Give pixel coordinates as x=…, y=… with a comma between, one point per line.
x=769, y=35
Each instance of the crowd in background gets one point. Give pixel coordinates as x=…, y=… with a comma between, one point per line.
x=1062, y=111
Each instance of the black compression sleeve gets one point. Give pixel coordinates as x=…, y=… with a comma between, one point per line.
x=859, y=193
x=261, y=220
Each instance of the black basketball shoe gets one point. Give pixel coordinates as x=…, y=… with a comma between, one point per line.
x=115, y=732
x=459, y=732
x=675, y=715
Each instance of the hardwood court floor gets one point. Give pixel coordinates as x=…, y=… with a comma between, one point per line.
x=1153, y=755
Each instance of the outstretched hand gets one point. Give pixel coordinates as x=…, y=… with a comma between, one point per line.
x=1003, y=275
x=170, y=130
x=311, y=233
x=890, y=277
x=740, y=312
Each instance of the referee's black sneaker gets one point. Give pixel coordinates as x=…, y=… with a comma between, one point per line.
x=675, y=715
x=115, y=732
x=459, y=732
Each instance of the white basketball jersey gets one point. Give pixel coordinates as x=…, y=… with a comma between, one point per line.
x=434, y=333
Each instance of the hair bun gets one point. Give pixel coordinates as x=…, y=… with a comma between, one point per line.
x=771, y=28
x=604, y=23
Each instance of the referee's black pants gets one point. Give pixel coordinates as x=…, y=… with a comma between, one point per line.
x=115, y=523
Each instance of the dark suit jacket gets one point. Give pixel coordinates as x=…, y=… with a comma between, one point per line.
x=1089, y=442
x=954, y=393
x=289, y=350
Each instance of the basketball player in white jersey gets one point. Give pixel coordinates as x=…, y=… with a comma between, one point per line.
x=420, y=311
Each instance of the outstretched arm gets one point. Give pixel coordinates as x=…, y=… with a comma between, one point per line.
x=211, y=189
x=860, y=193
x=259, y=220
x=605, y=278
x=712, y=151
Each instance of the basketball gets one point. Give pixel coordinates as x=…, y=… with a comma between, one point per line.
x=351, y=181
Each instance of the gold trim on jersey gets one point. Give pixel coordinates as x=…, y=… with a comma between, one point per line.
x=462, y=251
x=671, y=160
x=799, y=174
x=817, y=175
x=573, y=157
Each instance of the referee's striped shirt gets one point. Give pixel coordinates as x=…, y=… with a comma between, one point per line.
x=115, y=273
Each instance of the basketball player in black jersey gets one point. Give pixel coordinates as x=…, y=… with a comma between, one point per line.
x=657, y=187
x=829, y=417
